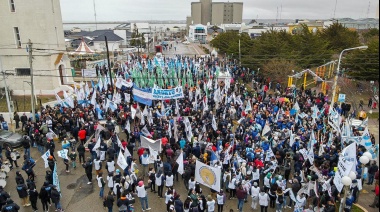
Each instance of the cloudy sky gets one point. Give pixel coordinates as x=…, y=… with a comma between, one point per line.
x=123, y=10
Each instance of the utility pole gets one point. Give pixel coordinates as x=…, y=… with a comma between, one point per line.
x=30, y=49
x=109, y=64
x=7, y=95
x=239, y=52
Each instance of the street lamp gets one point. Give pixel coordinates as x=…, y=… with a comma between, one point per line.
x=338, y=71
x=346, y=181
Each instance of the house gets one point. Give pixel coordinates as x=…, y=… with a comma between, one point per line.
x=197, y=33
x=114, y=42
x=40, y=22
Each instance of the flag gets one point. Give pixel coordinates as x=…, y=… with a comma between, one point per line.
x=248, y=107
x=127, y=153
x=121, y=161
x=145, y=131
x=133, y=111
x=68, y=100
x=266, y=130
x=366, y=139
x=63, y=154
x=128, y=126
x=93, y=98
x=45, y=157
x=97, y=145
x=56, y=178
x=296, y=106
x=170, y=129
x=214, y=126
x=153, y=155
x=213, y=158
x=291, y=138
x=59, y=100
x=119, y=142
x=179, y=160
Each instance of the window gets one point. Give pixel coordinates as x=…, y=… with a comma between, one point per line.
x=12, y=5
x=17, y=37
x=23, y=71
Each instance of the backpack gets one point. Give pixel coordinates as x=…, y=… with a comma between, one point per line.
x=280, y=199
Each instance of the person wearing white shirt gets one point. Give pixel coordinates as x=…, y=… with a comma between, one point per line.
x=110, y=180
x=255, y=191
x=143, y=195
x=192, y=183
x=221, y=200
x=101, y=184
x=263, y=200
x=159, y=178
x=110, y=165
x=210, y=204
x=300, y=202
x=232, y=186
x=226, y=179
x=169, y=180
x=97, y=165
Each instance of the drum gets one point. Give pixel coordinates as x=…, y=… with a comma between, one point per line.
x=15, y=155
x=6, y=167
x=3, y=175
x=3, y=182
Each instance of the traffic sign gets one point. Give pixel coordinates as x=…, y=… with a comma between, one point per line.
x=342, y=97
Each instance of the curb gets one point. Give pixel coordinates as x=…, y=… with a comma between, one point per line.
x=359, y=206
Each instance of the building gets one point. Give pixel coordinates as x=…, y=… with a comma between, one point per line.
x=197, y=32
x=314, y=26
x=41, y=22
x=207, y=12
x=114, y=42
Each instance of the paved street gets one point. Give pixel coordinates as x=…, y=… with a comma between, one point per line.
x=182, y=49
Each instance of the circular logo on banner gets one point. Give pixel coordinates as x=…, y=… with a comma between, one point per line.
x=208, y=176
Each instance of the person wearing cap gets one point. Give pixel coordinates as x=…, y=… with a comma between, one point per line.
x=221, y=200
x=142, y=194
x=255, y=191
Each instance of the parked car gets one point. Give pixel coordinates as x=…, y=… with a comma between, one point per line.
x=11, y=139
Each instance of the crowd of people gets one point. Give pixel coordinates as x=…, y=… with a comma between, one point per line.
x=256, y=133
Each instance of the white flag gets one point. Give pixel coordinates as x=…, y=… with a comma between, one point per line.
x=248, y=106
x=180, y=164
x=133, y=111
x=121, y=161
x=296, y=106
x=153, y=155
x=63, y=154
x=127, y=97
x=127, y=153
x=45, y=158
x=266, y=130
x=93, y=98
x=170, y=129
x=97, y=145
x=145, y=131
x=128, y=127
x=214, y=126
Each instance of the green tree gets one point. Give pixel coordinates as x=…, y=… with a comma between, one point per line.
x=137, y=40
x=228, y=43
x=370, y=34
x=310, y=49
x=364, y=65
x=339, y=37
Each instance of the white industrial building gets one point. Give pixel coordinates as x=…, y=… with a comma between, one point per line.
x=41, y=22
x=197, y=32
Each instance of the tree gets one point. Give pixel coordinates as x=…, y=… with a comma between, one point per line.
x=310, y=49
x=370, y=34
x=339, y=37
x=279, y=69
x=228, y=43
x=137, y=40
x=364, y=65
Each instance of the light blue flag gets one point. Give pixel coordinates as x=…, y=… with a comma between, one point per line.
x=56, y=178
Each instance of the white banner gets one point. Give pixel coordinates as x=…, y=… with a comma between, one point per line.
x=162, y=94
x=89, y=73
x=344, y=168
x=146, y=142
x=180, y=164
x=208, y=176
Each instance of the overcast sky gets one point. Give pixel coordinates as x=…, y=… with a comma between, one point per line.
x=123, y=10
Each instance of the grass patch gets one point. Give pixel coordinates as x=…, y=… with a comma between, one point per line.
x=374, y=115
x=23, y=103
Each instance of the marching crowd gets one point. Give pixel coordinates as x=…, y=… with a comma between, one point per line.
x=275, y=146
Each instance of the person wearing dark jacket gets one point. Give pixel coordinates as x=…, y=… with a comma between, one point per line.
x=51, y=147
x=8, y=152
x=88, y=169
x=33, y=197
x=24, y=120
x=81, y=150
x=22, y=191
x=3, y=197
x=26, y=145
x=123, y=203
x=56, y=198
x=108, y=201
x=10, y=206
x=44, y=196
x=178, y=204
x=19, y=178
x=51, y=163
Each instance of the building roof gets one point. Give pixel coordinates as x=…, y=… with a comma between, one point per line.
x=110, y=37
